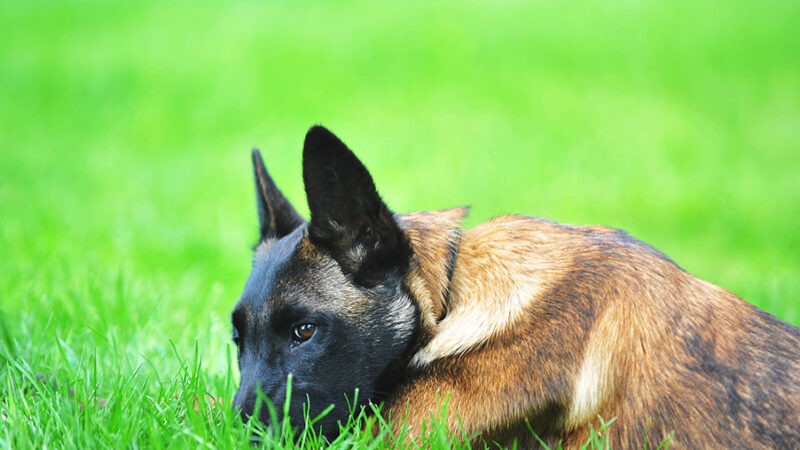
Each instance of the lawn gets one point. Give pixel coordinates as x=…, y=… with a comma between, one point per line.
x=127, y=209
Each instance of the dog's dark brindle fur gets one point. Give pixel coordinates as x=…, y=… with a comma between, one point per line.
x=516, y=320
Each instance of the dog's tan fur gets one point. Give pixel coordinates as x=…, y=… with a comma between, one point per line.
x=434, y=236
x=558, y=324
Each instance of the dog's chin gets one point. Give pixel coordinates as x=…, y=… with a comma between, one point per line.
x=327, y=425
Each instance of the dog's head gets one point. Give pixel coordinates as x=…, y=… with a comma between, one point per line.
x=326, y=299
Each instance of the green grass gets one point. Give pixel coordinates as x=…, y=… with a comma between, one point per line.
x=126, y=199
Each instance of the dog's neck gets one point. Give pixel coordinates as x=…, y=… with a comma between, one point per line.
x=434, y=238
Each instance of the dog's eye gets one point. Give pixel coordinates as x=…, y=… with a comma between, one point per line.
x=235, y=336
x=303, y=332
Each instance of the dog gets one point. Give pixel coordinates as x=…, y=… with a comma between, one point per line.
x=520, y=324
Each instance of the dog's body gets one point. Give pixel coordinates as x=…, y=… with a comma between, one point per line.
x=559, y=324
x=519, y=322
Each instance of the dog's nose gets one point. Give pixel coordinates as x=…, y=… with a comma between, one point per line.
x=242, y=404
x=245, y=402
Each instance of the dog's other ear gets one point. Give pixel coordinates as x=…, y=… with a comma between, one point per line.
x=348, y=216
x=276, y=216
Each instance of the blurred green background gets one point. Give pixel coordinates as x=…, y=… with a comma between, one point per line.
x=126, y=202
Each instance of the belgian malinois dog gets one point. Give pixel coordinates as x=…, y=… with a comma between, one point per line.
x=520, y=323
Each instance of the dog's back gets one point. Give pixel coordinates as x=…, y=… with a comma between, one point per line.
x=557, y=325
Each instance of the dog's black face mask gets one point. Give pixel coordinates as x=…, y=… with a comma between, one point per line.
x=325, y=301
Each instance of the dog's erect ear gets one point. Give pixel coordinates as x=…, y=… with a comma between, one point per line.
x=276, y=216
x=348, y=216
